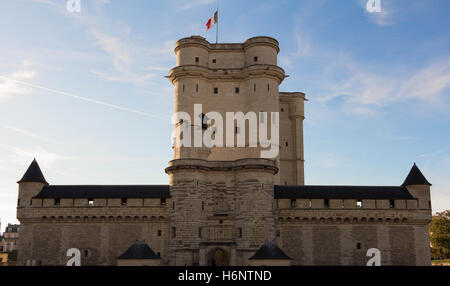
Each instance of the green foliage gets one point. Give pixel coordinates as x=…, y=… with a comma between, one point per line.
x=440, y=235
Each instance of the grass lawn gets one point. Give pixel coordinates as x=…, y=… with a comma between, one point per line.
x=443, y=261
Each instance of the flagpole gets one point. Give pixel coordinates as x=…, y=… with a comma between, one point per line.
x=217, y=26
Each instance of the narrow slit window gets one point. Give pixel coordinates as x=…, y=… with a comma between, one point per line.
x=255, y=59
x=236, y=90
x=254, y=87
x=326, y=203
x=163, y=202
x=216, y=90
x=358, y=245
x=159, y=232
x=196, y=87
x=197, y=59
x=123, y=202
x=183, y=87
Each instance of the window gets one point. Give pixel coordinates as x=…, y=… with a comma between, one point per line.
x=429, y=204
x=196, y=87
x=254, y=87
x=359, y=203
x=216, y=90
x=268, y=87
x=159, y=254
x=326, y=203
x=203, y=206
x=392, y=204
x=358, y=245
x=220, y=221
x=173, y=205
x=282, y=109
x=293, y=201
x=57, y=202
x=236, y=90
x=200, y=232
x=31, y=202
x=255, y=59
x=86, y=253
x=1, y=260
x=287, y=144
x=163, y=202
x=174, y=232
x=123, y=202
x=197, y=59
x=183, y=87
x=214, y=61
x=310, y=204
x=18, y=202
x=240, y=232
x=91, y=202
x=159, y=232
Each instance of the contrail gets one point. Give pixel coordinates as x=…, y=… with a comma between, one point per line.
x=87, y=99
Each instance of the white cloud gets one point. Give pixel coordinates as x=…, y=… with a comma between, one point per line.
x=9, y=88
x=113, y=46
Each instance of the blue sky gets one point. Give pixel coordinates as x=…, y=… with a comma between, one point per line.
x=85, y=92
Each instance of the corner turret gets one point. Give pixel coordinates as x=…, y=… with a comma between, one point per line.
x=31, y=184
x=419, y=187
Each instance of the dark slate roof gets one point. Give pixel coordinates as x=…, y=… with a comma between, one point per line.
x=415, y=177
x=269, y=250
x=342, y=192
x=105, y=191
x=139, y=250
x=33, y=174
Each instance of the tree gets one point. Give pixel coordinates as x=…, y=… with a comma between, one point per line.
x=440, y=235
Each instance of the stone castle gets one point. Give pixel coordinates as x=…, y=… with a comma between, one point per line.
x=227, y=205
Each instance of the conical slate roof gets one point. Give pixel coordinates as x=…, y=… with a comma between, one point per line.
x=269, y=250
x=415, y=177
x=139, y=250
x=33, y=174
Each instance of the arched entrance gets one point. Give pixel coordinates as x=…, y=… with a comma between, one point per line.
x=218, y=257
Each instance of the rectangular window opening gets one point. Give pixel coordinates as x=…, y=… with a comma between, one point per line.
x=123, y=202
x=293, y=202
x=359, y=203
x=326, y=203
x=391, y=204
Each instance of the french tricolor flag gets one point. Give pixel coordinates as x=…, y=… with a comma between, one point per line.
x=212, y=21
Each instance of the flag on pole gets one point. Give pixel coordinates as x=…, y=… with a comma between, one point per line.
x=212, y=21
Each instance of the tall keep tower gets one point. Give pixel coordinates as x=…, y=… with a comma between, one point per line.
x=223, y=206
